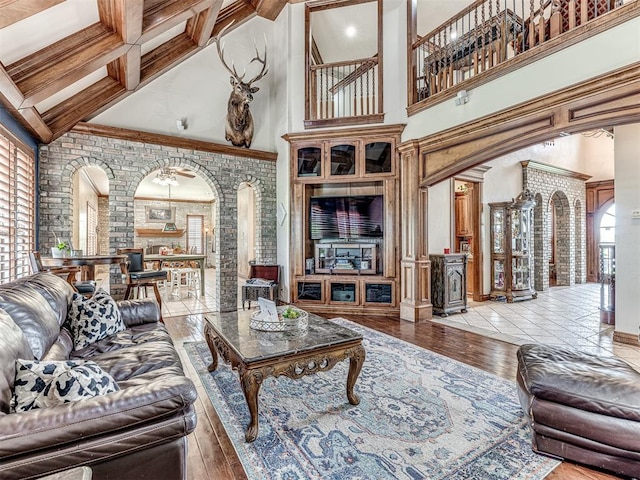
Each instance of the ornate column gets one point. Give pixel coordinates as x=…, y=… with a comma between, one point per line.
x=415, y=267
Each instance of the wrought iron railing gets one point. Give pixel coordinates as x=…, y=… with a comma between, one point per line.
x=490, y=32
x=344, y=89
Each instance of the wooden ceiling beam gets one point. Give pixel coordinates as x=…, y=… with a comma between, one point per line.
x=65, y=115
x=37, y=125
x=163, y=15
x=43, y=73
x=270, y=9
x=9, y=89
x=238, y=13
x=165, y=57
x=200, y=27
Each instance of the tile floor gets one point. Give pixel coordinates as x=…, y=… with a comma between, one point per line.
x=560, y=316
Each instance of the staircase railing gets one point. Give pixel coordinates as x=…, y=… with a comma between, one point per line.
x=490, y=32
x=344, y=89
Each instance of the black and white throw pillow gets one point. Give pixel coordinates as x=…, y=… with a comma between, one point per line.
x=92, y=319
x=41, y=384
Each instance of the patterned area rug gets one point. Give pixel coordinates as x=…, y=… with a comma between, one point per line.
x=421, y=416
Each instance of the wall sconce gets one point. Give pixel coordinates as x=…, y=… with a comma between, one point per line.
x=462, y=97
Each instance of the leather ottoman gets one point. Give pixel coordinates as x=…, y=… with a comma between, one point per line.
x=581, y=407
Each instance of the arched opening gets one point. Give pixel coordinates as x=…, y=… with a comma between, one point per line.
x=246, y=228
x=560, y=246
x=579, y=255
x=90, y=217
x=174, y=215
x=539, y=262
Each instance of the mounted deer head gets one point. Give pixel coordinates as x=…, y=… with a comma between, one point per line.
x=239, y=122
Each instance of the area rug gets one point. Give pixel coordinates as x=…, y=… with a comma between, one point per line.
x=421, y=416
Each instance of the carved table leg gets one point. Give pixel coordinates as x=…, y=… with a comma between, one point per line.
x=251, y=381
x=210, y=335
x=356, y=359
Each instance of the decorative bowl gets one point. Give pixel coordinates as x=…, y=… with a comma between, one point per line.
x=282, y=324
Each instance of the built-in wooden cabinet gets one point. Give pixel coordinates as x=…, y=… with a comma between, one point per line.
x=345, y=220
x=349, y=258
x=512, y=248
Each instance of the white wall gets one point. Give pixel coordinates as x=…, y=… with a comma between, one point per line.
x=588, y=59
x=439, y=216
x=198, y=89
x=627, y=191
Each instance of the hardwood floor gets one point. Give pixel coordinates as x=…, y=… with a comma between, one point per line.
x=212, y=456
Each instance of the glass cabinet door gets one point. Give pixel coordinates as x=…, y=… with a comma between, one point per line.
x=310, y=162
x=498, y=275
x=377, y=157
x=498, y=230
x=343, y=160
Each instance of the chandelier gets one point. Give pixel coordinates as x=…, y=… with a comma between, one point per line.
x=166, y=176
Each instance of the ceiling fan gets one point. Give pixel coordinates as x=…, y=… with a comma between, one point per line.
x=185, y=172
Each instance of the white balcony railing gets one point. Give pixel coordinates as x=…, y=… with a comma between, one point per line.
x=344, y=89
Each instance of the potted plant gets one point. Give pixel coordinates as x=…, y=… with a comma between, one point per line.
x=61, y=250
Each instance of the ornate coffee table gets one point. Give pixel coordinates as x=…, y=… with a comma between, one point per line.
x=257, y=355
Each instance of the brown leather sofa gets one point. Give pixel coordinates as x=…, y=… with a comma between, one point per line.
x=137, y=432
x=581, y=407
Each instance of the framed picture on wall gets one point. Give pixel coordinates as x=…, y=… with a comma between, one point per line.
x=160, y=214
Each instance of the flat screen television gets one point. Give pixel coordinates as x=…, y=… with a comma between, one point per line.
x=359, y=216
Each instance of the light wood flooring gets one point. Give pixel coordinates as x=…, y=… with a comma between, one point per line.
x=212, y=456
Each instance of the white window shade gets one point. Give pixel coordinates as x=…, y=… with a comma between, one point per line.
x=195, y=234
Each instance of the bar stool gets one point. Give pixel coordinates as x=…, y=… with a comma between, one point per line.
x=138, y=278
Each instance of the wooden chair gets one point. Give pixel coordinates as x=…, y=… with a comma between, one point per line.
x=83, y=287
x=137, y=277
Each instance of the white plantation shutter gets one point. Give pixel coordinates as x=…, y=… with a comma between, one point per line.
x=17, y=207
x=195, y=234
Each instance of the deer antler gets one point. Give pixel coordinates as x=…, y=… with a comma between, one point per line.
x=257, y=58
x=231, y=70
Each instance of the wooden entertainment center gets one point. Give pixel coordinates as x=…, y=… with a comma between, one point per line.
x=345, y=200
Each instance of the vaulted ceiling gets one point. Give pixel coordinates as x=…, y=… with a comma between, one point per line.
x=125, y=44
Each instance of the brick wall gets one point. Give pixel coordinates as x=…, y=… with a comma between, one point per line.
x=126, y=163
x=564, y=191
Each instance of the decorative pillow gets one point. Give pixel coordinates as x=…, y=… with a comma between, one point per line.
x=92, y=319
x=48, y=383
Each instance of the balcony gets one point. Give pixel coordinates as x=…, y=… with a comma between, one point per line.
x=490, y=38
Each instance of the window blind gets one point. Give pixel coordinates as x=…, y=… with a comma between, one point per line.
x=195, y=232
x=17, y=207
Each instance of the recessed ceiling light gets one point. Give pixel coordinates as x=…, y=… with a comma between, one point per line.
x=350, y=31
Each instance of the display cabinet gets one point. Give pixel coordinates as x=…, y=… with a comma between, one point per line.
x=341, y=258
x=448, y=283
x=512, y=248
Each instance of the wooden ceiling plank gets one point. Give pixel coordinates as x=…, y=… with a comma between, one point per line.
x=18, y=10
x=165, y=15
x=270, y=9
x=200, y=28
